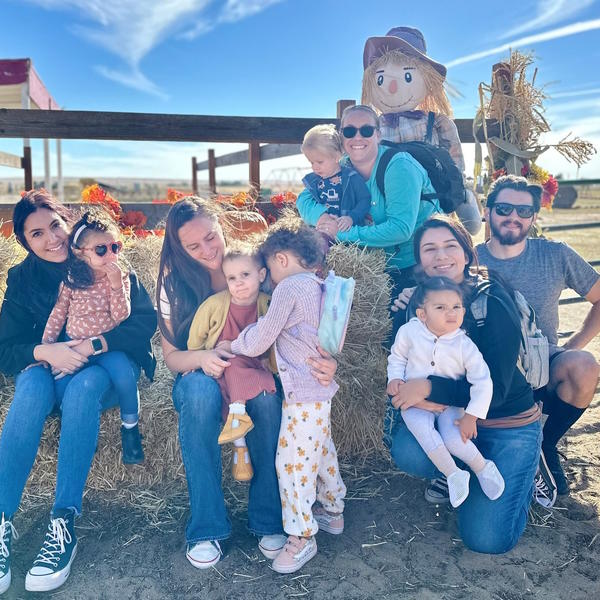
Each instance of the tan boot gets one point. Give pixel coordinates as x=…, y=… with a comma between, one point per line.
x=241, y=467
x=229, y=433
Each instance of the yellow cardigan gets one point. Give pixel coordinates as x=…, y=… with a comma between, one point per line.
x=209, y=321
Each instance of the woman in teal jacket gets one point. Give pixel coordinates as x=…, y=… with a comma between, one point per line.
x=396, y=216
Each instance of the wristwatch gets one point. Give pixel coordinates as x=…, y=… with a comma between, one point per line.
x=96, y=345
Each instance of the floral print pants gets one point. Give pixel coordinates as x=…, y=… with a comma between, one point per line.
x=307, y=466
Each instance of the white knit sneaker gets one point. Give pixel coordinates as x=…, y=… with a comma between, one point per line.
x=458, y=487
x=272, y=545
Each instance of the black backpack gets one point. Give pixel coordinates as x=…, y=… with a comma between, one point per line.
x=443, y=173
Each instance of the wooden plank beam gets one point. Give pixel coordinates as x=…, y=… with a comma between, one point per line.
x=267, y=152
x=10, y=160
x=254, y=165
x=212, y=176
x=93, y=125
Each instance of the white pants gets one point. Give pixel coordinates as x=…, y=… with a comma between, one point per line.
x=307, y=466
x=421, y=423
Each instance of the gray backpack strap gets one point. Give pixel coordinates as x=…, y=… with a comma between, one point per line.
x=479, y=308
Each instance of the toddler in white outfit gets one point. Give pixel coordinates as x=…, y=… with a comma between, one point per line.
x=433, y=343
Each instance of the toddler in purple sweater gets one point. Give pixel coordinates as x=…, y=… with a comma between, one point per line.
x=306, y=462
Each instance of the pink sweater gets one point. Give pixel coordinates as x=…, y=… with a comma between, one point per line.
x=291, y=324
x=88, y=312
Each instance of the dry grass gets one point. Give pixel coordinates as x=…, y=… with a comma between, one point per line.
x=156, y=488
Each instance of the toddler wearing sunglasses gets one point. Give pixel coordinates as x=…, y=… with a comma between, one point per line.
x=341, y=189
x=93, y=299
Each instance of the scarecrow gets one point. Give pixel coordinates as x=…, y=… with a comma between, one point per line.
x=406, y=88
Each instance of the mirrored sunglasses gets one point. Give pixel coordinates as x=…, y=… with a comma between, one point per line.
x=365, y=131
x=503, y=209
x=102, y=249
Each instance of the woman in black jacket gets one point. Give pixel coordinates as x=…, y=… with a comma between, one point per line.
x=78, y=391
x=511, y=434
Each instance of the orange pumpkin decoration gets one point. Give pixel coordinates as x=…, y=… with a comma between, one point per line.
x=242, y=224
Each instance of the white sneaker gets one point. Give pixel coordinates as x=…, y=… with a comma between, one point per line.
x=204, y=555
x=272, y=545
x=458, y=487
x=491, y=480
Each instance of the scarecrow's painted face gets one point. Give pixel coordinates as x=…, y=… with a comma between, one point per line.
x=398, y=87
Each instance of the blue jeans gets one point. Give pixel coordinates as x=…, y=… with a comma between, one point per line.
x=197, y=399
x=124, y=374
x=80, y=398
x=492, y=527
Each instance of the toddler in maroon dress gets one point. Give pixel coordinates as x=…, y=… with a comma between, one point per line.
x=222, y=317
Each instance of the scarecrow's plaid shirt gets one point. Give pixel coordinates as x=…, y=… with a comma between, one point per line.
x=396, y=127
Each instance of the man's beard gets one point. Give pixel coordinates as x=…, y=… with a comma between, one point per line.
x=510, y=238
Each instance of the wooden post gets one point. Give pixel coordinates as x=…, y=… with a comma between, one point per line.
x=26, y=164
x=341, y=105
x=212, y=171
x=254, y=162
x=194, y=175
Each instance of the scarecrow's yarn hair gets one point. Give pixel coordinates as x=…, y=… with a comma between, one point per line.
x=436, y=99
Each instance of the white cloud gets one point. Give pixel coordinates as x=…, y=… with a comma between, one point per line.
x=553, y=34
x=549, y=12
x=130, y=29
x=575, y=93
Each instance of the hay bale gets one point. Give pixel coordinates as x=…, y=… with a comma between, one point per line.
x=160, y=482
x=357, y=410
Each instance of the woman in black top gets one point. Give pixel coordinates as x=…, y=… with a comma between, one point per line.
x=511, y=434
x=78, y=391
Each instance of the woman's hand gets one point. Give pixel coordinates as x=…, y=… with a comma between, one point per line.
x=328, y=224
x=213, y=362
x=401, y=302
x=467, y=426
x=410, y=393
x=61, y=356
x=323, y=369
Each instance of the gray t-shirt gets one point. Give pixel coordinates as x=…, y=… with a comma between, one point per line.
x=541, y=272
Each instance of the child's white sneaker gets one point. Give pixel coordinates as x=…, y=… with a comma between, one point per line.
x=491, y=480
x=458, y=487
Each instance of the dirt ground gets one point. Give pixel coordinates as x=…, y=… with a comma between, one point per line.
x=395, y=544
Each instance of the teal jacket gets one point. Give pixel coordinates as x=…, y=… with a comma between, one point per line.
x=395, y=217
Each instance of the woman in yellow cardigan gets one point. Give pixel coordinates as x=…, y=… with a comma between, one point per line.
x=222, y=317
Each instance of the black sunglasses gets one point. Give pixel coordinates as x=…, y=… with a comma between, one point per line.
x=366, y=131
x=503, y=209
x=102, y=249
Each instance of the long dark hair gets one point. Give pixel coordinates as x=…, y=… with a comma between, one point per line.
x=31, y=202
x=185, y=282
x=79, y=274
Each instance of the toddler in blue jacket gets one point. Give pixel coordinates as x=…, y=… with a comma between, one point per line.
x=341, y=189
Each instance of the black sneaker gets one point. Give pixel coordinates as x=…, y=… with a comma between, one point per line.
x=544, y=492
x=52, y=566
x=553, y=462
x=7, y=533
x=131, y=442
x=437, y=491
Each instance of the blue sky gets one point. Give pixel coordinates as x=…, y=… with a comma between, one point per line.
x=281, y=58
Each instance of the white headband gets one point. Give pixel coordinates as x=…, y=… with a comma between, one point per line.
x=78, y=233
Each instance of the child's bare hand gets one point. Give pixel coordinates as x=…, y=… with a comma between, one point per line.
x=115, y=275
x=344, y=223
x=224, y=345
x=393, y=387
x=401, y=302
x=467, y=426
